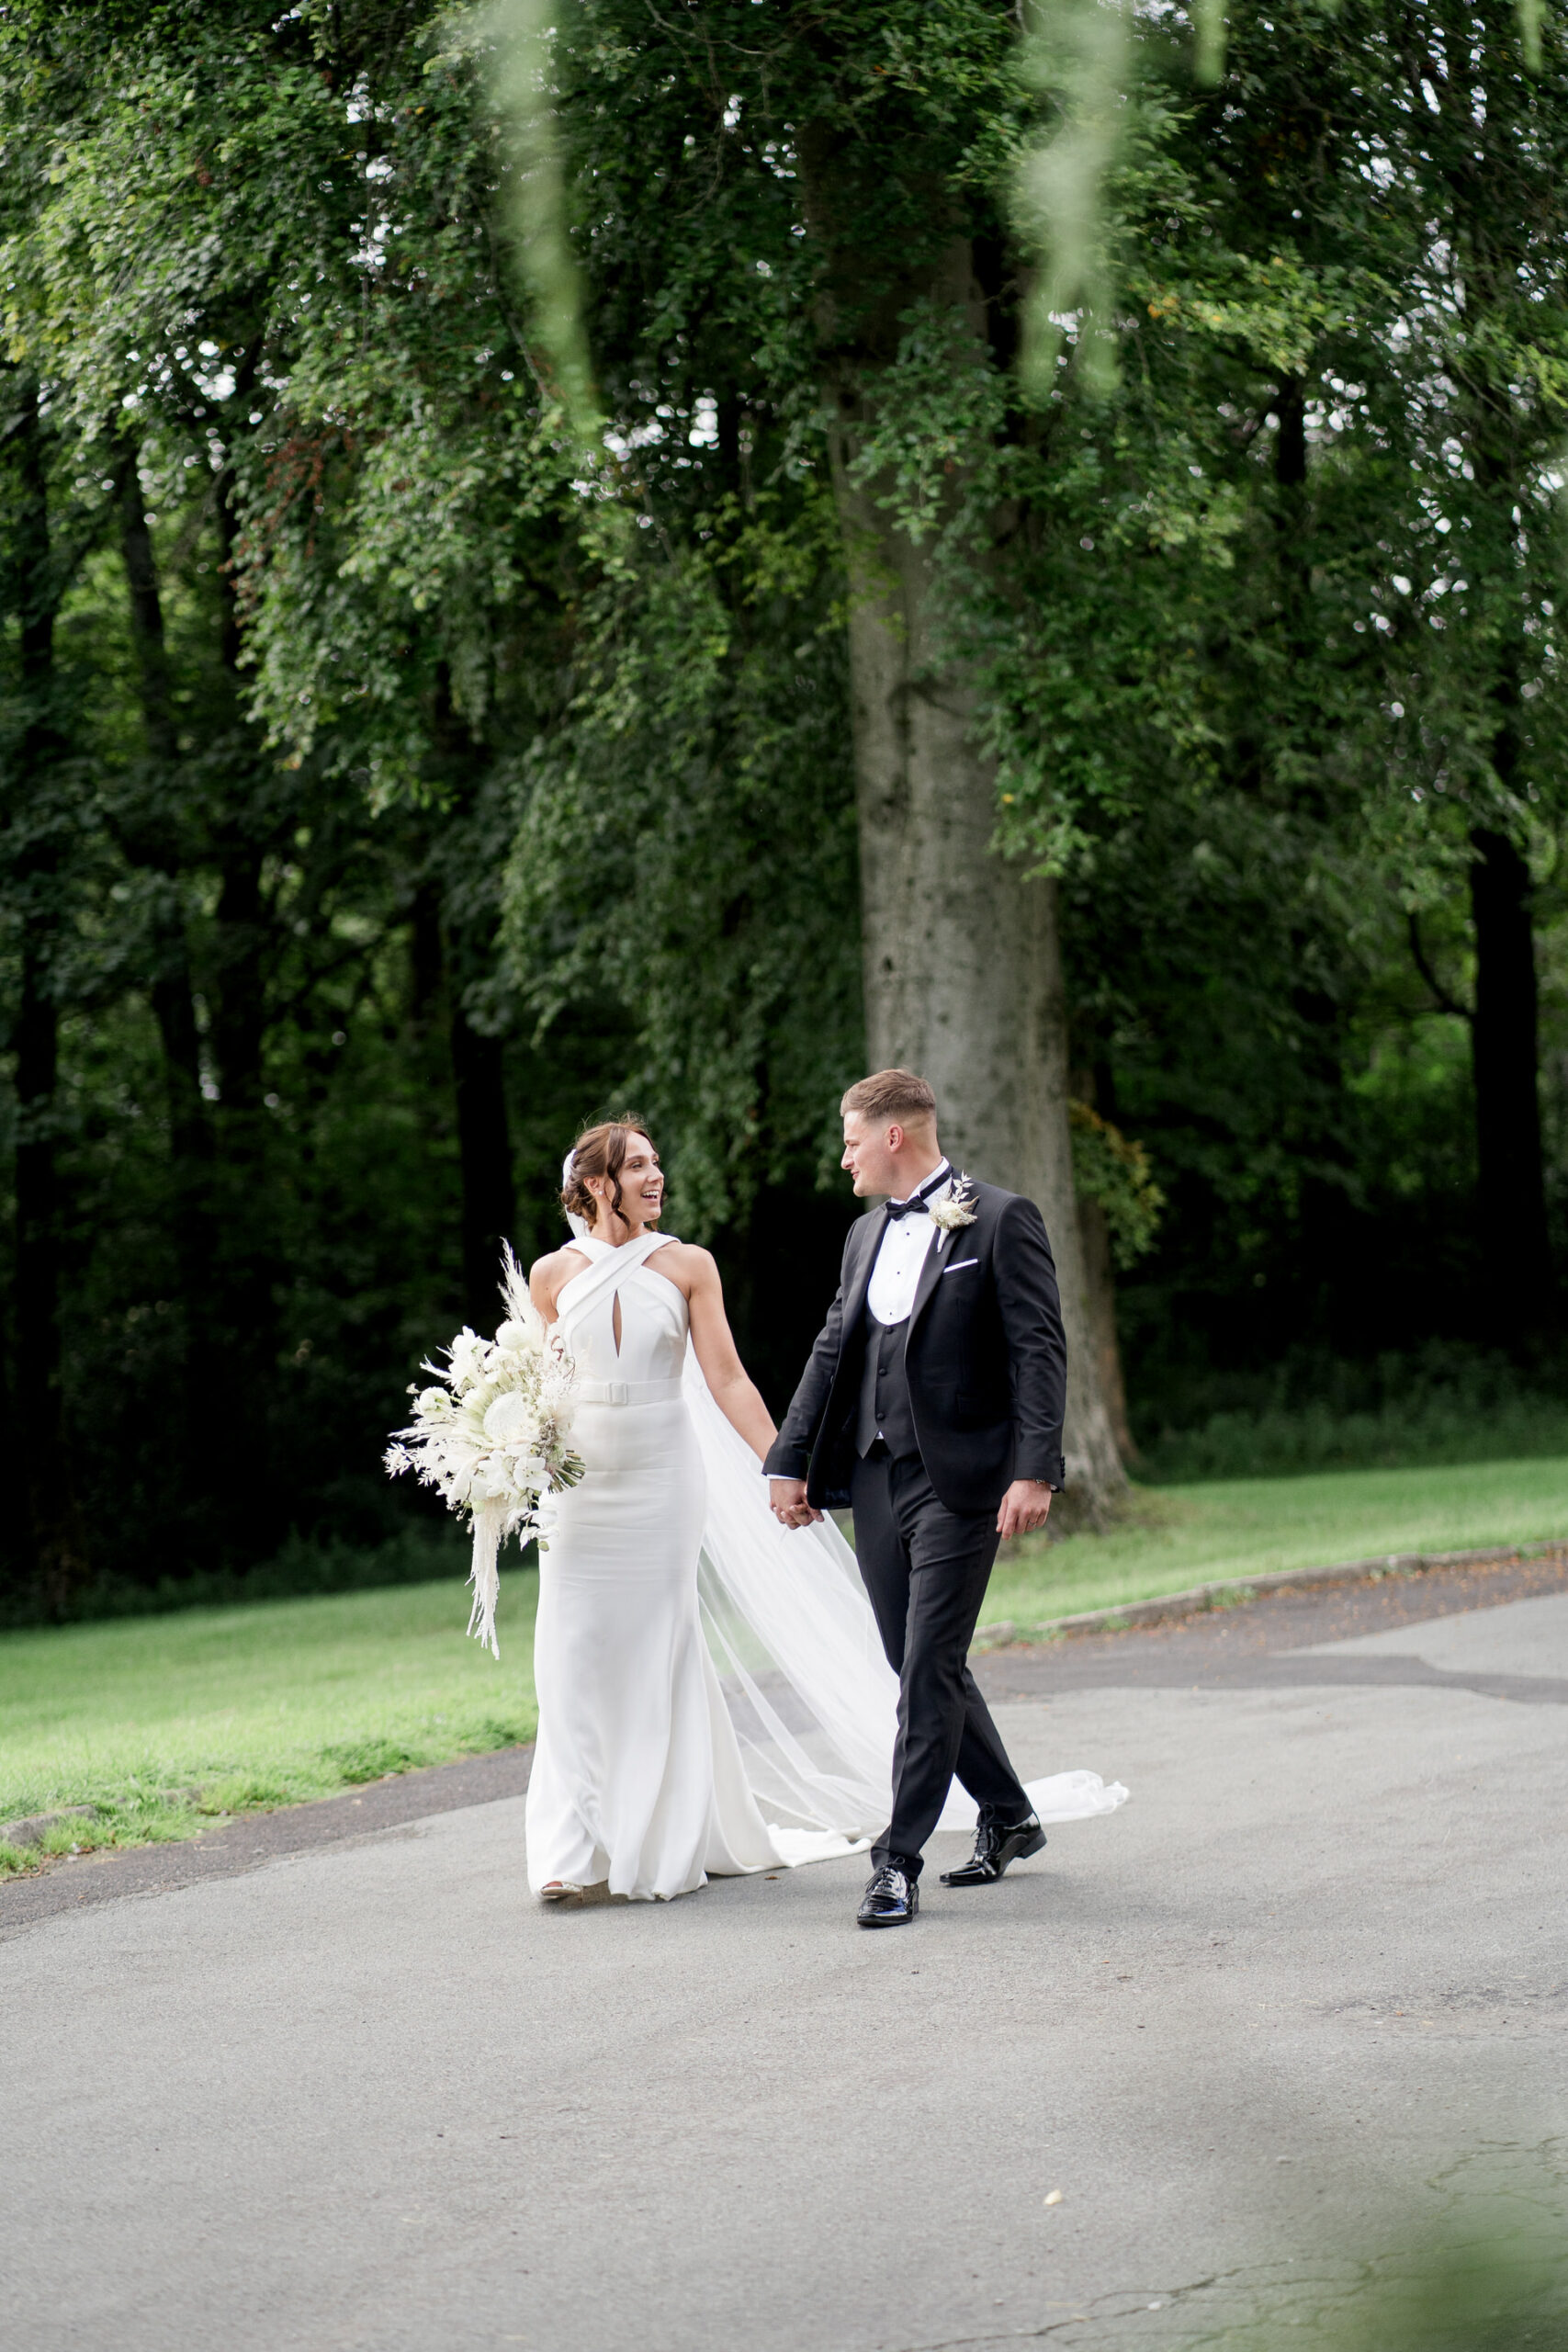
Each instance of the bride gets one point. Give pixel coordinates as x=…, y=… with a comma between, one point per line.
x=637, y=1779
x=713, y=1693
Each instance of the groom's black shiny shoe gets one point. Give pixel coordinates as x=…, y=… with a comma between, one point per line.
x=891, y=1899
x=995, y=1847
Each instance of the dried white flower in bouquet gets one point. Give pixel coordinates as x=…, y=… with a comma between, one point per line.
x=492, y=1437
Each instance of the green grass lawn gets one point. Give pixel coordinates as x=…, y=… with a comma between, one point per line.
x=282, y=1700
x=254, y=1706
x=1178, y=1536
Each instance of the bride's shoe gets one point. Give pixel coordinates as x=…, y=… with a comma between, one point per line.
x=560, y=1890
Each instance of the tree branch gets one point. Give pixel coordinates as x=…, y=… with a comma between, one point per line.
x=1440, y=997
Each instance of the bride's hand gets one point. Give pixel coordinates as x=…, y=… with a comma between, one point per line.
x=786, y=1500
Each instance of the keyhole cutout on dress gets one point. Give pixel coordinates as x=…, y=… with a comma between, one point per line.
x=616, y=1321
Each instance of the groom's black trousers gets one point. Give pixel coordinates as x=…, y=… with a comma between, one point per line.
x=926, y=1569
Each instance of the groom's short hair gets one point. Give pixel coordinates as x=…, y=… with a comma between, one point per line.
x=891, y=1094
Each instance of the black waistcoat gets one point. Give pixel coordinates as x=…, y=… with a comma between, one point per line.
x=885, y=1407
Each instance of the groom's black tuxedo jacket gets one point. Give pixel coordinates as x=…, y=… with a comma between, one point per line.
x=984, y=1355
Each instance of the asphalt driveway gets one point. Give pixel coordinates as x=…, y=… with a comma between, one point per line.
x=334, y=2081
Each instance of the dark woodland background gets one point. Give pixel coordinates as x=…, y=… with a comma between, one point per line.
x=380, y=799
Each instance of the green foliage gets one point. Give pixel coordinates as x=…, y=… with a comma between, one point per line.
x=710, y=915
x=1110, y=1169
x=335, y=643
x=418, y=1552
x=1079, y=55
x=518, y=34
x=1439, y=1404
x=1267, y=637
x=246, y=1027
x=392, y=775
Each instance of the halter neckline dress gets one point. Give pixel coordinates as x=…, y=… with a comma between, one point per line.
x=637, y=1780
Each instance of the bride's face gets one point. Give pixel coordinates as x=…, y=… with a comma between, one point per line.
x=642, y=1188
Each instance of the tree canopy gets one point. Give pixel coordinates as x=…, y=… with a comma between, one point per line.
x=434, y=691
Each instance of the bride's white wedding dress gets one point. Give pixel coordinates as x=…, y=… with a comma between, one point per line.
x=713, y=1697
x=637, y=1778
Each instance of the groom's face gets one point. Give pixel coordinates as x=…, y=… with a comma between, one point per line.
x=871, y=1154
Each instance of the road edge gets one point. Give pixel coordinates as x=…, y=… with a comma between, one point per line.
x=1006, y=1633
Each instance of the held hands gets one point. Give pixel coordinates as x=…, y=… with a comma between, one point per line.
x=786, y=1500
x=1025, y=1506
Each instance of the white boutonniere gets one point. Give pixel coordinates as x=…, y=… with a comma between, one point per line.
x=957, y=1208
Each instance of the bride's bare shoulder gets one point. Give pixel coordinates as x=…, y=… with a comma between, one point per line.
x=549, y=1274
x=685, y=1262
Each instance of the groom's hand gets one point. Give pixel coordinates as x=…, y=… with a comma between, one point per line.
x=1025, y=1506
x=786, y=1500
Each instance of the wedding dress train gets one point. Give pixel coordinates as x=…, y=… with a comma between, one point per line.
x=712, y=1696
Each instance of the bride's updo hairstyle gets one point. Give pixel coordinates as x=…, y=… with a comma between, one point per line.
x=599, y=1151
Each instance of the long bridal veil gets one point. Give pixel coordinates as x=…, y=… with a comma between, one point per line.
x=793, y=1638
x=811, y=1696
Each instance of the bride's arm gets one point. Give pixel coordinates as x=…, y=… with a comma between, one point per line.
x=730, y=1384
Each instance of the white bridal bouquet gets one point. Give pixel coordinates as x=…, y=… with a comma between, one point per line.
x=493, y=1438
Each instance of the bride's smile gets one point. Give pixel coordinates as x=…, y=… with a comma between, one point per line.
x=642, y=1194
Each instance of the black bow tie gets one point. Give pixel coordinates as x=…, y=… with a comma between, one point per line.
x=917, y=1207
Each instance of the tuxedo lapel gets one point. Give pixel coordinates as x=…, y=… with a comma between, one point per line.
x=930, y=1272
x=854, y=1302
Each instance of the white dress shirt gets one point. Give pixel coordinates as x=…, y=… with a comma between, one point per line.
x=905, y=1241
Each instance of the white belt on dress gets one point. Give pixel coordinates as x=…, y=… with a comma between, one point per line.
x=628, y=1392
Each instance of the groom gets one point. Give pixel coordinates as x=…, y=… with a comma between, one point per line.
x=932, y=1405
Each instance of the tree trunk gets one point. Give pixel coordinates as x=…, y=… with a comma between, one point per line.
x=58, y=1562
x=465, y=941
x=1489, y=236
x=152, y=843
x=238, y=1010
x=962, y=958
x=426, y=958
x=54, y=1533
x=245, y=1265
x=484, y=1150
x=1100, y=1301
x=239, y=1014
x=1291, y=523
x=1092, y=1085
x=146, y=609
x=1507, y=1107
x=152, y=839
